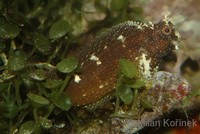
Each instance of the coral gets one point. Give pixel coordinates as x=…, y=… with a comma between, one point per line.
x=166, y=94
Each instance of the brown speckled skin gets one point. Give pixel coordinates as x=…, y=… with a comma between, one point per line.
x=155, y=43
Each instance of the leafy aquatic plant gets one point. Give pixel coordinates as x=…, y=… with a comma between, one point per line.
x=35, y=39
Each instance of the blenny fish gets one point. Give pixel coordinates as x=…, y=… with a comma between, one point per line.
x=141, y=43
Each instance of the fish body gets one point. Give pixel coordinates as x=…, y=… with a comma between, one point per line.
x=142, y=44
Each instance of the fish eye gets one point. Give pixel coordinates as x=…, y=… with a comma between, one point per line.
x=166, y=30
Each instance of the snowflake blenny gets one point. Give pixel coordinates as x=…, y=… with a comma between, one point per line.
x=141, y=43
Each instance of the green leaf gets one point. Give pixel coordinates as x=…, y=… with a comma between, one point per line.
x=1, y=4
x=117, y=5
x=67, y=65
x=37, y=101
x=125, y=94
x=38, y=74
x=3, y=126
x=9, y=110
x=27, y=128
x=59, y=29
x=2, y=21
x=53, y=84
x=2, y=46
x=9, y=30
x=7, y=75
x=77, y=5
x=42, y=43
x=4, y=86
x=61, y=101
x=128, y=68
x=27, y=80
x=137, y=84
x=45, y=123
x=45, y=66
x=146, y=105
x=16, y=60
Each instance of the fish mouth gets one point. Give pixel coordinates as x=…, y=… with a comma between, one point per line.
x=175, y=42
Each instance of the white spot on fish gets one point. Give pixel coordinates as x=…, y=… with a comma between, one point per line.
x=145, y=66
x=84, y=95
x=95, y=58
x=98, y=62
x=82, y=63
x=77, y=79
x=151, y=25
x=145, y=25
x=130, y=23
x=138, y=25
x=121, y=38
x=101, y=86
